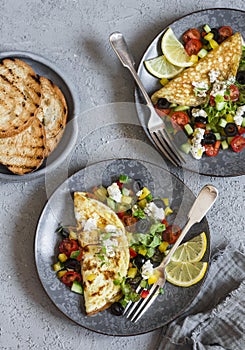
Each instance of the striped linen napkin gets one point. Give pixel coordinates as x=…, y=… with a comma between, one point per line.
x=216, y=318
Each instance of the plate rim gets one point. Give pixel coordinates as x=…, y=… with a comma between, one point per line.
x=35, y=250
x=137, y=91
x=76, y=108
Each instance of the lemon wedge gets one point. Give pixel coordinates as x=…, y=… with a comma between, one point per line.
x=160, y=67
x=192, y=250
x=185, y=274
x=174, y=51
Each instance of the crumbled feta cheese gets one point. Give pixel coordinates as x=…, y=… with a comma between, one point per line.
x=213, y=75
x=238, y=118
x=152, y=210
x=200, y=88
x=198, y=113
x=196, y=148
x=110, y=245
x=197, y=151
x=113, y=230
x=114, y=192
x=139, y=193
x=90, y=224
x=218, y=88
x=147, y=270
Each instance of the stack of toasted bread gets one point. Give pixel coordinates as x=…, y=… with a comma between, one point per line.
x=33, y=115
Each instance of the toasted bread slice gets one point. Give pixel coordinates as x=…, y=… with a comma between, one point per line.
x=224, y=59
x=20, y=94
x=24, y=152
x=52, y=113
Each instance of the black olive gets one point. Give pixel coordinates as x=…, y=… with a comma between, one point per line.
x=240, y=77
x=215, y=32
x=139, y=261
x=209, y=139
x=200, y=119
x=231, y=129
x=117, y=309
x=143, y=225
x=163, y=103
x=72, y=264
x=137, y=185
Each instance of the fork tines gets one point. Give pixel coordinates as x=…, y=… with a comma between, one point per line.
x=135, y=310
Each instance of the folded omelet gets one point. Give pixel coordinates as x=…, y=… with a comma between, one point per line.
x=105, y=252
x=224, y=59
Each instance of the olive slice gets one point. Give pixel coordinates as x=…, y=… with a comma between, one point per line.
x=163, y=103
x=231, y=129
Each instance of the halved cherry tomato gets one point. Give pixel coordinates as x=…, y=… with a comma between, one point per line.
x=193, y=46
x=144, y=293
x=69, y=277
x=225, y=32
x=238, y=143
x=179, y=119
x=121, y=214
x=192, y=33
x=171, y=233
x=132, y=253
x=241, y=130
x=164, y=221
x=67, y=246
x=234, y=93
x=162, y=112
x=212, y=150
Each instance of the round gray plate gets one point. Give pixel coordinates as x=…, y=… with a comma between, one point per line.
x=59, y=209
x=44, y=67
x=227, y=163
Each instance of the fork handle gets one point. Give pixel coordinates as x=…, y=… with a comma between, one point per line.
x=120, y=47
x=204, y=201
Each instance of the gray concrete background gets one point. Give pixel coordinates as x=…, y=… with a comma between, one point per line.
x=74, y=35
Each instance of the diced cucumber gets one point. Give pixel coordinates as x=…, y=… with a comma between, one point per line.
x=224, y=144
x=202, y=53
x=206, y=28
x=172, y=105
x=188, y=129
x=126, y=200
x=217, y=135
x=181, y=108
x=185, y=147
x=222, y=122
x=220, y=105
x=111, y=203
x=77, y=287
x=243, y=123
x=125, y=191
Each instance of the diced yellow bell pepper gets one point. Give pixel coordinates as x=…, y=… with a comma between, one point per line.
x=163, y=247
x=61, y=273
x=194, y=58
x=62, y=257
x=229, y=118
x=145, y=193
x=152, y=279
x=213, y=44
x=142, y=203
x=168, y=211
x=165, y=201
x=132, y=271
x=209, y=36
x=57, y=266
x=164, y=81
x=142, y=251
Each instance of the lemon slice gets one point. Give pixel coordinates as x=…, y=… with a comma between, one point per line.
x=185, y=274
x=174, y=51
x=161, y=68
x=191, y=251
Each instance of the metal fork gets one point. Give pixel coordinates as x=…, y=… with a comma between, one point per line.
x=156, y=125
x=200, y=207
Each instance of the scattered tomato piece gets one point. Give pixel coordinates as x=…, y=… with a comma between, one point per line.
x=238, y=143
